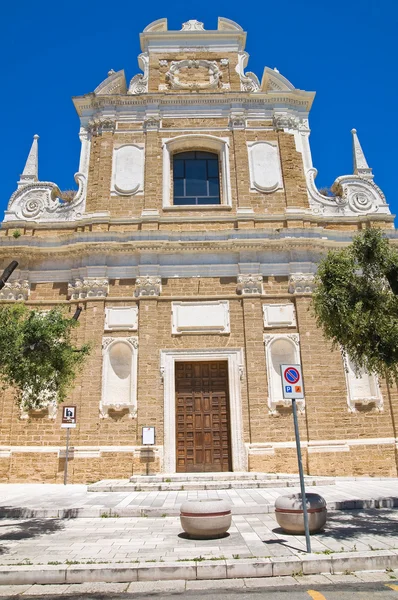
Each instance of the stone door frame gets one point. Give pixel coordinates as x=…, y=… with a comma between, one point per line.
x=234, y=357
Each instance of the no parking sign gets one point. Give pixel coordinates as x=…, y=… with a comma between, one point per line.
x=292, y=382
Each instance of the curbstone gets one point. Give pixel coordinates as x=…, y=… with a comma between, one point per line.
x=363, y=561
x=32, y=574
x=113, y=573
x=209, y=569
x=249, y=567
x=161, y=571
x=285, y=565
x=314, y=564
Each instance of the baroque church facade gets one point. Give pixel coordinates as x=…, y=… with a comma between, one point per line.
x=191, y=246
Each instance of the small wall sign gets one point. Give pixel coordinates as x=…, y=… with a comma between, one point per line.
x=148, y=436
x=68, y=417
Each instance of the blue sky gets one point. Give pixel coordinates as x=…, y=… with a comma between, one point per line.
x=344, y=50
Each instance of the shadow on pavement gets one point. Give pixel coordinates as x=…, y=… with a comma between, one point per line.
x=25, y=530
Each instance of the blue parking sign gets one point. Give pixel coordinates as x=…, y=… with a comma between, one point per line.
x=288, y=389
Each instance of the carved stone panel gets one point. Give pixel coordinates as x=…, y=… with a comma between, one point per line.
x=200, y=317
x=264, y=165
x=121, y=318
x=279, y=315
x=193, y=74
x=128, y=169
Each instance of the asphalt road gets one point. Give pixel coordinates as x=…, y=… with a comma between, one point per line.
x=351, y=591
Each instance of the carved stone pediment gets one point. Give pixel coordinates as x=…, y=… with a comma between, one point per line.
x=193, y=74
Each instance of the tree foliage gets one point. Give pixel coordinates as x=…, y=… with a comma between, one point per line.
x=356, y=304
x=37, y=356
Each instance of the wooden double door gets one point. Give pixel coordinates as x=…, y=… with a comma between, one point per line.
x=202, y=417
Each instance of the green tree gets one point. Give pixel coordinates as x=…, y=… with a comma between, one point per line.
x=356, y=304
x=37, y=357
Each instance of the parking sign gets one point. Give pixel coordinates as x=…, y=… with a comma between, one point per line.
x=292, y=382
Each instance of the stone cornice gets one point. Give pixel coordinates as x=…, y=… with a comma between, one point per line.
x=75, y=246
x=296, y=99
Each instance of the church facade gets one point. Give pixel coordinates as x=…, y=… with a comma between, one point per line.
x=191, y=246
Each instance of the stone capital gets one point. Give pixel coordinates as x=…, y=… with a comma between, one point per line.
x=301, y=283
x=88, y=287
x=19, y=289
x=148, y=286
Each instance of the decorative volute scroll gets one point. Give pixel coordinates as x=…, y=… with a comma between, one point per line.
x=41, y=201
x=119, y=376
x=264, y=166
x=139, y=83
x=248, y=81
x=301, y=283
x=249, y=284
x=148, y=286
x=88, y=287
x=355, y=194
x=128, y=169
x=19, y=289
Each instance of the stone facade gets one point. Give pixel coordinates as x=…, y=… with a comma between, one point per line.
x=230, y=281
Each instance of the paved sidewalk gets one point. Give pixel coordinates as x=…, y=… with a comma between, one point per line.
x=48, y=500
x=123, y=549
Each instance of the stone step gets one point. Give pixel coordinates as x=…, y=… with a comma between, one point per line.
x=142, y=485
x=236, y=476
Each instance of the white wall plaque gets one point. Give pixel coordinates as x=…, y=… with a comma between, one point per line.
x=279, y=315
x=128, y=169
x=264, y=166
x=121, y=317
x=148, y=436
x=200, y=317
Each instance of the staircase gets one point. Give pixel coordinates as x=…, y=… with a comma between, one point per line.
x=205, y=481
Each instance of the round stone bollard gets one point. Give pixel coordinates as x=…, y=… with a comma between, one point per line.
x=205, y=519
x=290, y=516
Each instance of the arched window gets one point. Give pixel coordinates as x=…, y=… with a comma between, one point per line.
x=196, y=178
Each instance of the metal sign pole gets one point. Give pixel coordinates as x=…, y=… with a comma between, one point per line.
x=66, y=457
x=300, y=466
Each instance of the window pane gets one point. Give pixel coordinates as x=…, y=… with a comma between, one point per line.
x=183, y=201
x=209, y=200
x=178, y=168
x=214, y=187
x=212, y=168
x=185, y=155
x=206, y=155
x=196, y=178
x=178, y=187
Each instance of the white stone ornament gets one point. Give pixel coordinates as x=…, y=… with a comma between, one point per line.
x=264, y=166
x=88, y=287
x=249, y=284
x=148, y=286
x=19, y=289
x=190, y=81
x=301, y=283
x=248, y=81
x=128, y=169
x=119, y=381
x=139, y=83
x=192, y=25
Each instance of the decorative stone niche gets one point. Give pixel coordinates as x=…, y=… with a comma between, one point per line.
x=279, y=315
x=200, y=317
x=128, y=169
x=362, y=388
x=279, y=350
x=264, y=167
x=119, y=375
x=121, y=318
